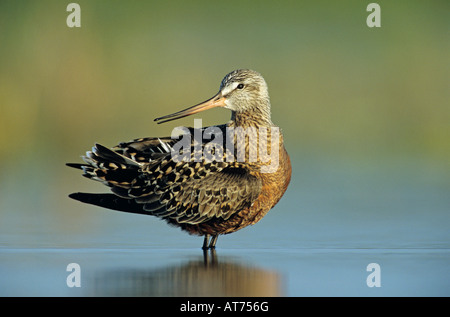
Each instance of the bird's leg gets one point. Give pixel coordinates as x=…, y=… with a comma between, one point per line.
x=212, y=244
x=205, y=242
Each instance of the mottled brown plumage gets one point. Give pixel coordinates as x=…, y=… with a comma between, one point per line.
x=219, y=186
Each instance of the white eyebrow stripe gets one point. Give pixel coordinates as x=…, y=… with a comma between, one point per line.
x=229, y=89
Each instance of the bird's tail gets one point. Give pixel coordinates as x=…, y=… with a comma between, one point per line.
x=110, y=201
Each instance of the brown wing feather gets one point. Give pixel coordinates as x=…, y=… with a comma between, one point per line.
x=188, y=192
x=219, y=194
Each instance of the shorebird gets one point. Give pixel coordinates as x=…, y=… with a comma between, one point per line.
x=203, y=196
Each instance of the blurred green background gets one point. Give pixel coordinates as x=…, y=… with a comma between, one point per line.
x=339, y=89
x=336, y=85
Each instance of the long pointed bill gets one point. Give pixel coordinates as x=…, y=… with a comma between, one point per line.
x=216, y=101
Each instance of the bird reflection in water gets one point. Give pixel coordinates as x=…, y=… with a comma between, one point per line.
x=205, y=276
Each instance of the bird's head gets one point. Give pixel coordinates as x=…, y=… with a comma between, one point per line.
x=243, y=91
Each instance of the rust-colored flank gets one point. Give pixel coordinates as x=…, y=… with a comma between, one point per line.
x=207, y=181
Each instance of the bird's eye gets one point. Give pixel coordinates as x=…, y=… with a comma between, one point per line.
x=240, y=86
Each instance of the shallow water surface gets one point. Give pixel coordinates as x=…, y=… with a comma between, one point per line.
x=333, y=222
x=235, y=272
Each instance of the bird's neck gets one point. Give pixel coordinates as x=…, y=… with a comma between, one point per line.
x=254, y=118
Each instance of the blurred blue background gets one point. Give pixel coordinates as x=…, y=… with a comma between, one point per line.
x=364, y=111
